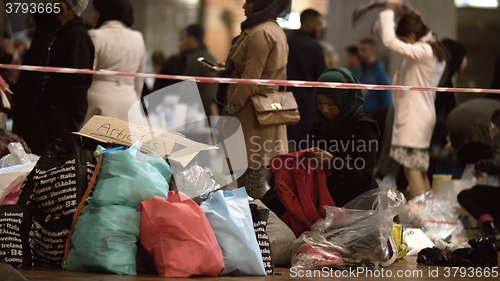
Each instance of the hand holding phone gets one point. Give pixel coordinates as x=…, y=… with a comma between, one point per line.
x=219, y=67
x=207, y=63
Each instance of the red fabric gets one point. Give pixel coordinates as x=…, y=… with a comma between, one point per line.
x=311, y=253
x=301, y=187
x=485, y=217
x=177, y=234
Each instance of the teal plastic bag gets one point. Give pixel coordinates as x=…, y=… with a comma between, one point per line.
x=128, y=177
x=105, y=240
x=229, y=216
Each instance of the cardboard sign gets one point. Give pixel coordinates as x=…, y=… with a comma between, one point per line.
x=164, y=143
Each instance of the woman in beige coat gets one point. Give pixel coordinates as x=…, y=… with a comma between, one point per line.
x=260, y=52
x=423, y=60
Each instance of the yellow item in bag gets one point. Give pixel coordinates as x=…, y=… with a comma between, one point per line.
x=399, y=239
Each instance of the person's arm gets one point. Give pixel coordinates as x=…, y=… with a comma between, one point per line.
x=258, y=49
x=413, y=51
x=492, y=165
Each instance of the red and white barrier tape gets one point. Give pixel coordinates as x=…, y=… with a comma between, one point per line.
x=287, y=83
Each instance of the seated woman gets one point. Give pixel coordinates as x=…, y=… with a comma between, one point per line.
x=344, y=140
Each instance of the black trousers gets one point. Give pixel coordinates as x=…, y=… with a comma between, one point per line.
x=480, y=200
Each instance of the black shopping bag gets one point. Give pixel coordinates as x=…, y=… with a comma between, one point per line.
x=59, y=181
x=260, y=218
x=15, y=224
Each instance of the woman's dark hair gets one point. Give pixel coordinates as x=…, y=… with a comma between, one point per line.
x=495, y=118
x=120, y=10
x=413, y=23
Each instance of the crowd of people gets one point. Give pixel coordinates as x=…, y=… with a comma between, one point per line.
x=397, y=126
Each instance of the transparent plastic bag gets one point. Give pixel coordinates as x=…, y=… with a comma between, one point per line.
x=14, y=168
x=17, y=156
x=357, y=235
x=435, y=214
x=195, y=181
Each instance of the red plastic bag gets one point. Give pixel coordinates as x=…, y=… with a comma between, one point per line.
x=177, y=234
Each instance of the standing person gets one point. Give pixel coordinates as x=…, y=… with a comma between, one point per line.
x=372, y=71
x=306, y=62
x=117, y=48
x=158, y=60
x=61, y=103
x=422, y=64
x=260, y=52
x=26, y=86
x=192, y=47
x=445, y=101
x=352, y=60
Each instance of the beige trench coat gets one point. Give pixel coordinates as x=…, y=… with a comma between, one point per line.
x=261, y=52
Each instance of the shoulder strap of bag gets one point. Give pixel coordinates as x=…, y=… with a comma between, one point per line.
x=80, y=209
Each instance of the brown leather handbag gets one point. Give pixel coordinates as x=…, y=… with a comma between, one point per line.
x=274, y=108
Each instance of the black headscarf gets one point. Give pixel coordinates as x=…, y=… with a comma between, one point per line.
x=347, y=100
x=120, y=10
x=267, y=9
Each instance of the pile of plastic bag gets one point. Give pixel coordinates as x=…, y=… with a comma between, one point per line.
x=14, y=168
x=435, y=214
x=131, y=205
x=357, y=235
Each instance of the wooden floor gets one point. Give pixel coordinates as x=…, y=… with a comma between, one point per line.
x=408, y=266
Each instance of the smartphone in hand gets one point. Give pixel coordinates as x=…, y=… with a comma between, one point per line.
x=207, y=63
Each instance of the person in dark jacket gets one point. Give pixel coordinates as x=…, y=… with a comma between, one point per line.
x=445, y=101
x=306, y=62
x=192, y=47
x=61, y=103
x=482, y=201
x=344, y=141
x=26, y=87
x=467, y=127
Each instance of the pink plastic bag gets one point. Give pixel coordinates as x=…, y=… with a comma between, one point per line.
x=11, y=198
x=177, y=234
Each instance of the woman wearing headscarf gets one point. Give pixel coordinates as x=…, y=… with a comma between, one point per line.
x=343, y=140
x=259, y=52
x=117, y=48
